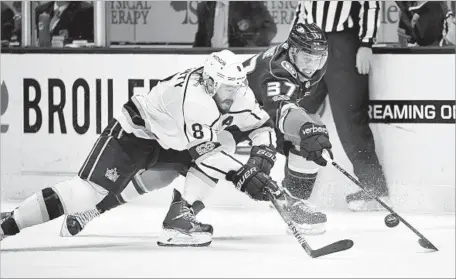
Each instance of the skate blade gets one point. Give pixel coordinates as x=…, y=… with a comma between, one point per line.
x=306, y=229
x=64, y=229
x=183, y=245
x=170, y=237
x=2, y=235
x=366, y=205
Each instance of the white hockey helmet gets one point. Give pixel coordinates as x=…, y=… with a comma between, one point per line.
x=223, y=68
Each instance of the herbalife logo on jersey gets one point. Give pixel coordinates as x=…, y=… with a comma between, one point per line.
x=112, y=174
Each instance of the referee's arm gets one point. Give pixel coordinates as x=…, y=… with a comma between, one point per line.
x=368, y=22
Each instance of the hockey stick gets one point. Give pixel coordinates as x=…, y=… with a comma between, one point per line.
x=423, y=241
x=335, y=247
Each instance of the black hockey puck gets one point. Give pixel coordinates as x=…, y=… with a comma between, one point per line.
x=391, y=220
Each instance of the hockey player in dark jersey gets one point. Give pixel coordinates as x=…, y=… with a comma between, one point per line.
x=282, y=78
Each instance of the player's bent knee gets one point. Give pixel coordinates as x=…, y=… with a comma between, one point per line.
x=77, y=195
x=51, y=203
x=155, y=179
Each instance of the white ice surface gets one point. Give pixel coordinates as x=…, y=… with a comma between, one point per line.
x=248, y=242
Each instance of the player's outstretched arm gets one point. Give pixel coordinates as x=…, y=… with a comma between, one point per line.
x=214, y=162
x=305, y=131
x=255, y=125
x=300, y=128
x=210, y=158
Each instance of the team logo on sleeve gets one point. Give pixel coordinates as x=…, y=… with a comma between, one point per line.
x=270, y=52
x=287, y=66
x=204, y=150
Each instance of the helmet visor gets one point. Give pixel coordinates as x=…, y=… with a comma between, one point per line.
x=225, y=94
x=229, y=91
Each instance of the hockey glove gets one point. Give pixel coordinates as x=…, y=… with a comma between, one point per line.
x=250, y=180
x=263, y=157
x=314, y=139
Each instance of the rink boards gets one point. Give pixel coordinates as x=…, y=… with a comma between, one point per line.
x=53, y=111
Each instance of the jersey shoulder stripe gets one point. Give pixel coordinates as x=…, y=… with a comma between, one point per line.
x=198, y=107
x=184, y=99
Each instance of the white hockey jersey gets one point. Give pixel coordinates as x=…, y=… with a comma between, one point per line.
x=180, y=115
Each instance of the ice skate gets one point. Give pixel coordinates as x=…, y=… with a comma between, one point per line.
x=180, y=227
x=307, y=219
x=303, y=214
x=5, y=215
x=74, y=224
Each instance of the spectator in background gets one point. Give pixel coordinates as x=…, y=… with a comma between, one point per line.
x=7, y=22
x=422, y=22
x=234, y=24
x=449, y=25
x=351, y=28
x=11, y=23
x=72, y=20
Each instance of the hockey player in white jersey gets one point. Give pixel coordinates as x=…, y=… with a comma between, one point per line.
x=177, y=121
x=244, y=113
x=277, y=79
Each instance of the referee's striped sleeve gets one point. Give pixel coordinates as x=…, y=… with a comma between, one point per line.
x=368, y=22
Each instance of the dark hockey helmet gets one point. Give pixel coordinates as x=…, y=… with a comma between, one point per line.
x=308, y=50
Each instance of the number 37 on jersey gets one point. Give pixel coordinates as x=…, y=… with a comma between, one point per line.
x=283, y=88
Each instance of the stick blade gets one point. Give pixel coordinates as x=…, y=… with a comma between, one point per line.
x=427, y=244
x=335, y=247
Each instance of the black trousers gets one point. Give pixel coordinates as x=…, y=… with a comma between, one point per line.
x=117, y=156
x=348, y=94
